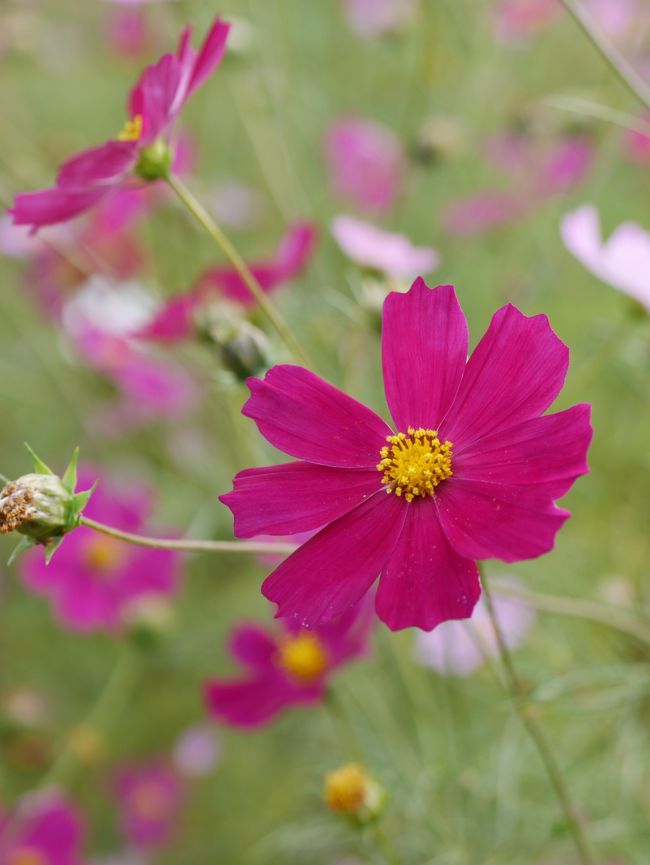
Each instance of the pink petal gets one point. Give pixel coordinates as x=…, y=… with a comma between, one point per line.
x=424, y=349
x=175, y=321
x=514, y=374
x=255, y=702
x=50, y=206
x=253, y=646
x=210, y=55
x=104, y=164
x=154, y=97
x=548, y=452
x=295, y=497
x=425, y=582
x=337, y=566
x=487, y=520
x=308, y=418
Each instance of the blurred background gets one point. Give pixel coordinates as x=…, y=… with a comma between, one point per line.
x=472, y=127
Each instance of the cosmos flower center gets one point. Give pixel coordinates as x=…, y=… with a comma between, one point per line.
x=132, y=129
x=150, y=802
x=414, y=463
x=103, y=555
x=26, y=856
x=303, y=657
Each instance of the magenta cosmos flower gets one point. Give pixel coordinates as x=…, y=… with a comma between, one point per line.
x=285, y=668
x=150, y=798
x=47, y=831
x=471, y=470
x=154, y=104
x=94, y=579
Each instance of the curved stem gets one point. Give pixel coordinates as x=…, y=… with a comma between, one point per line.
x=187, y=545
x=221, y=240
x=625, y=71
x=556, y=776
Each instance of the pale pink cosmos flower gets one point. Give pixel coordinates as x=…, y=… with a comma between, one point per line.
x=622, y=261
x=392, y=254
x=371, y=18
x=517, y=20
x=150, y=799
x=459, y=648
x=366, y=163
x=197, y=751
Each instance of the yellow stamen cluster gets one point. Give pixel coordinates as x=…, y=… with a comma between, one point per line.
x=346, y=788
x=303, y=657
x=132, y=129
x=415, y=463
x=26, y=856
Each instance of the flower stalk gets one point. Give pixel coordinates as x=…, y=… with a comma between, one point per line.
x=528, y=719
x=226, y=246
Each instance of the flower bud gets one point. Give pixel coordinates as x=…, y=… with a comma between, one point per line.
x=155, y=161
x=35, y=505
x=243, y=348
x=149, y=620
x=351, y=791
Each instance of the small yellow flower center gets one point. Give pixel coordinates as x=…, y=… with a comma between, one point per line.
x=132, y=129
x=103, y=555
x=415, y=463
x=27, y=856
x=150, y=801
x=346, y=789
x=303, y=657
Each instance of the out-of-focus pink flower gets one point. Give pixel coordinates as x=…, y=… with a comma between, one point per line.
x=46, y=830
x=176, y=320
x=127, y=32
x=392, y=254
x=93, y=578
x=535, y=171
x=460, y=648
x=197, y=751
x=287, y=667
x=622, y=261
x=366, y=163
x=154, y=103
x=637, y=144
x=371, y=18
x=516, y=20
x=614, y=17
x=473, y=463
x=150, y=799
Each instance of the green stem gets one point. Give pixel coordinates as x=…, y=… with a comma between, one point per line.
x=188, y=545
x=619, y=65
x=221, y=240
x=346, y=735
x=385, y=845
x=519, y=697
x=597, y=111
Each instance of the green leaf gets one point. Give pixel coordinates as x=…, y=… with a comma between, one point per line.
x=39, y=465
x=52, y=546
x=24, y=544
x=69, y=479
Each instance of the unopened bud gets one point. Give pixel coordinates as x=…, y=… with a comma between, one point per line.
x=35, y=505
x=351, y=791
x=243, y=348
x=149, y=620
x=155, y=161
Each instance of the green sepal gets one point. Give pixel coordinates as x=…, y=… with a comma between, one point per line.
x=39, y=466
x=23, y=544
x=51, y=547
x=78, y=503
x=69, y=479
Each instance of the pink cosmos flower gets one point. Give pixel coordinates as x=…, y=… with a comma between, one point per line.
x=366, y=163
x=371, y=18
x=93, y=579
x=197, y=751
x=471, y=472
x=286, y=668
x=391, y=254
x=48, y=830
x=459, y=648
x=150, y=798
x=623, y=261
x=176, y=320
x=154, y=103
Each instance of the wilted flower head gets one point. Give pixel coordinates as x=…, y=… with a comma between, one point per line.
x=150, y=799
x=285, y=668
x=460, y=648
x=351, y=791
x=471, y=471
x=46, y=830
x=366, y=163
x=142, y=149
x=622, y=261
x=391, y=254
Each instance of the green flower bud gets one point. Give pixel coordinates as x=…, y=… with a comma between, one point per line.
x=243, y=349
x=155, y=161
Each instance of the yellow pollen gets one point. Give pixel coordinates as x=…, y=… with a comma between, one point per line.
x=150, y=801
x=346, y=789
x=414, y=463
x=103, y=555
x=302, y=657
x=132, y=129
x=26, y=856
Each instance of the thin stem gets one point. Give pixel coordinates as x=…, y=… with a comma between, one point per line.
x=624, y=70
x=385, y=845
x=598, y=111
x=221, y=240
x=556, y=776
x=187, y=545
